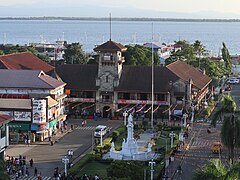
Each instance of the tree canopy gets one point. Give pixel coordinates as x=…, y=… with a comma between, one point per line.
x=215, y=170
x=226, y=58
x=74, y=54
x=140, y=56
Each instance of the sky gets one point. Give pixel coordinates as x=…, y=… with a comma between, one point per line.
x=122, y=8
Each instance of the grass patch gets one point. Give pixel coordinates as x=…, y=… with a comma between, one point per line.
x=94, y=167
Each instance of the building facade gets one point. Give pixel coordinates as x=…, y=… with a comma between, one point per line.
x=109, y=88
x=36, y=102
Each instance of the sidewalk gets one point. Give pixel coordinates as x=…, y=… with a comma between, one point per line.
x=13, y=149
x=171, y=170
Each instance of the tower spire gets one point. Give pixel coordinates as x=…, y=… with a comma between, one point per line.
x=110, y=23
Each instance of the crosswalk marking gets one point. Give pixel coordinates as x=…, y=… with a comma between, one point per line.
x=86, y=127
x=31, y=178
x=200, y=143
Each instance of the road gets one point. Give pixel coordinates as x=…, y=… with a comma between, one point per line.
x=47, y=157
x=200, y=150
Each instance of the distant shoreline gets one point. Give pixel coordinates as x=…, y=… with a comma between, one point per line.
x=120, y=19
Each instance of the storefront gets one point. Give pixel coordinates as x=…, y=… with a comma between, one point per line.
x=18, y=132
x=53, y=126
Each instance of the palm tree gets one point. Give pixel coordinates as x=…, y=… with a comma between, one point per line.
x=228, y=107
x=215, y=170
x=230, y=132
x=230, y=135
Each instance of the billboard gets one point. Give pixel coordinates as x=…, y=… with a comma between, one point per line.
x=39, y=111
x=22, y=116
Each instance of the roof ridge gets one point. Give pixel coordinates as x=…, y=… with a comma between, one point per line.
x=11, y=54
x=43, y=80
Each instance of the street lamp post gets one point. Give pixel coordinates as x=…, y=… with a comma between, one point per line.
x=192, y=118
x=171, y=135
x=125, y=114
x=101, y=139
x=65, y=161
x=185, y=119
x=152, y=164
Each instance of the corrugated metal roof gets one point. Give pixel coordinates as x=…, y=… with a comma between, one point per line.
x=34, y=79
x=15, y=104
x=185, y=72
x=110, y=46
x=24, y=60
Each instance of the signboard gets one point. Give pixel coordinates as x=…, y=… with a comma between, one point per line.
x=18, y=126
x=177, y=112
x=22, y=116
x=10, y=113
x=39, y=111
x=80, y=100
x=124, y=101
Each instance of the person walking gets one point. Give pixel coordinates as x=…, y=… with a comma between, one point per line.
x=35, y=171
x=31, y=162
x=27, y=172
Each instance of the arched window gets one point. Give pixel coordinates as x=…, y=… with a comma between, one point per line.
x=106, y=79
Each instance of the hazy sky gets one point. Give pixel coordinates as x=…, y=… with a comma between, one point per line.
x=122, y=8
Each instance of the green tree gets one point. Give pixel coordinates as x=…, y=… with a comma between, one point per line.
x=44, y=58
x=185, y=54
x=140, y=56
x=226, y=58
x=230, y=132
x=74, y=54
x=230, y=135
x=227, y=108
x=215, y=170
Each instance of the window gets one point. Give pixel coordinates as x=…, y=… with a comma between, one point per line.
x=106, y=79
x=3, y=131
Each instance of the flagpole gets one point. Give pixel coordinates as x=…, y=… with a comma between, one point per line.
x=152, y=81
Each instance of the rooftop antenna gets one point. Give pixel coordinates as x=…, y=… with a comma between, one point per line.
x=110, y=21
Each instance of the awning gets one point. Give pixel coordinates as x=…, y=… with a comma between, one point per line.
x=15, y=104
x=19, y=126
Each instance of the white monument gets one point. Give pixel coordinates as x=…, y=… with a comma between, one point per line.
x=130, y=148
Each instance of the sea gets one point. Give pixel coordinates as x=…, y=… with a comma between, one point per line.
x=91, y=33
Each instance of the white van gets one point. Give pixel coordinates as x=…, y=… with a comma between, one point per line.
x=99, y=129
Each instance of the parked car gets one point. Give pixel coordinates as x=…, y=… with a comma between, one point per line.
x=233, y=81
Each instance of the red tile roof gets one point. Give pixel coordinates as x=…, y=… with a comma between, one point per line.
x=24, y=60
x=110, y=46
x=186, y=72
x=5, y=118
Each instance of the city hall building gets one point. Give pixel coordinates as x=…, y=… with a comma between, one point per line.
x=109, y=87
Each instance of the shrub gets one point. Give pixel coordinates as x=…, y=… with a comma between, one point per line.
x=115, y=134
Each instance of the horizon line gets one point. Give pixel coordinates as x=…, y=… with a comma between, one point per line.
x=120, y=18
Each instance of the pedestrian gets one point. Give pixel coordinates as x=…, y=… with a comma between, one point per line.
x=39, y=176
x=17, y=175
x=27, y=172
x=82, y=123
x=29, y=141
x=35, y=171
x=71, y=127
x=71, y=153
x=85, y=122
x=31, y=162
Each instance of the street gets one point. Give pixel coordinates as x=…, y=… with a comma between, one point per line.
x=200, y=152
x=47, y=157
